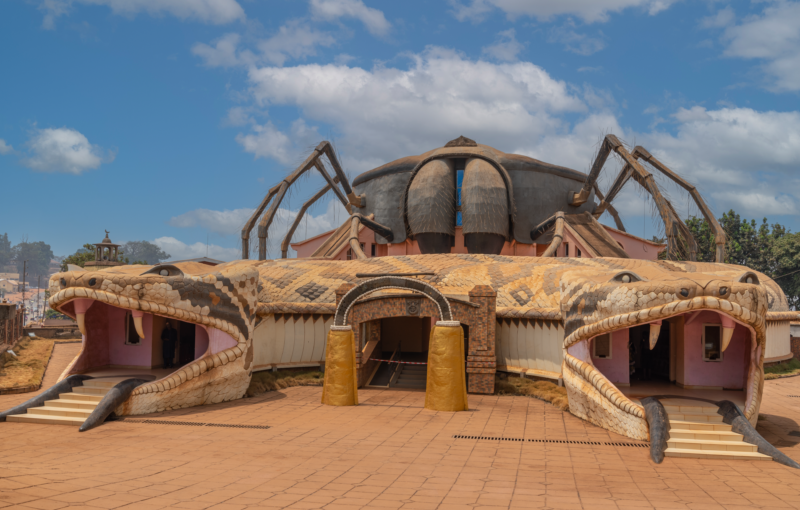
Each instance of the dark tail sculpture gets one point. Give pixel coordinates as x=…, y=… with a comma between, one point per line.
x=105, y=408
x=51, y=393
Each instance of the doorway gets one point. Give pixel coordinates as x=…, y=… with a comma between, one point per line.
x=404, y=342
x=186, y=340
x=647, y=365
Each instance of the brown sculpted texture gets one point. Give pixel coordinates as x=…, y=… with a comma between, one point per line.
x=590, y=296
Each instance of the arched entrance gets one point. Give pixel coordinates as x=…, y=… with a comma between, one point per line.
x=393, y=343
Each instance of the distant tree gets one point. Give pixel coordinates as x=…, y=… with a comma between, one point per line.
x=37, y=255
x=79, y=258
x=5, y=251
x=769, y=249
x=144, y=252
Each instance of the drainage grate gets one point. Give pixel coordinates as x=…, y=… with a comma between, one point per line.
x=793, y=396
x=195, y=424
x=553, y=441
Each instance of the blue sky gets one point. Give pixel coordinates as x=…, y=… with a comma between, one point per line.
x=168, y=120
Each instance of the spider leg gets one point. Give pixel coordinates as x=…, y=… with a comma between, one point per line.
x=719, y=234
x=288, y=238
x=276, y=194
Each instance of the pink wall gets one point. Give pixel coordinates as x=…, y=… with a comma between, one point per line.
x=616, y=369
x=200, y=341
x=731, y=372
x=636, y=248
x=105, y=340
x=119, y=352
x=219, y=341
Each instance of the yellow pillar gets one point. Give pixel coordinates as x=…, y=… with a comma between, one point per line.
x=340, y=384
x=446, y=388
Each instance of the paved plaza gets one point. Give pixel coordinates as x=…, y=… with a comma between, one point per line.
x=285, y=450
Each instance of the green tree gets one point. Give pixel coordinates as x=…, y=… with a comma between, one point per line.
x=5, y=251
x=144, y=252
x=37, y=255
x=769, y=249
x=79, y=258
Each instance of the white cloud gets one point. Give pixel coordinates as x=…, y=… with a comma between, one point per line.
x=219, y=222
x=224, y=52
x=266, y=141
x=742, y=158
x=384, y=113
x=692, y=114
x=773, y=37
x=389, y=112
x=293, y=40
x=4, y=147
x=331, y=10
x=180, y=250
x=589, y=11
x=575, y=42
x=722, y=18
x=506, y=48
x=64, y=150
x=209, y=11
x=230, y=222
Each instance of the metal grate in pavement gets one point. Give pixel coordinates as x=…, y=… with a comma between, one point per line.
x=194, y=424
x=553, y=441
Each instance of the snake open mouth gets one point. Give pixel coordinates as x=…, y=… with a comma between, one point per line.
x=122, y=312
x=729, y=358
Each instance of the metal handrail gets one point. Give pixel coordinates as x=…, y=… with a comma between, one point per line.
x=397, y=366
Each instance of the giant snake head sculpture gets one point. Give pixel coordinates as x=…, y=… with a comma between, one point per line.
x=219, y=301
x=601, y=302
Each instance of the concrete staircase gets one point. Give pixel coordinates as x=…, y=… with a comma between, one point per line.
x=697, y=432
x=412, y=376
x=69, y=408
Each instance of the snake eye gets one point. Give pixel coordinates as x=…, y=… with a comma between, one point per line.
x=92, y=282
x=63, y=282
x=685, y=292
x=626, y=278
x=750, y=280
x=723, y=291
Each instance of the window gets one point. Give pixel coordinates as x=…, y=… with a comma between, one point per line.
x=578, y=252
x=566, y=249
x=373, y=249
x=460, y=165
x=602, y=346
x=131, y=336
x=712, y=342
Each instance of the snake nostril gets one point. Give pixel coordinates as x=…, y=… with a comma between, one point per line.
x=723, y=291
x=685, y=292
x=92, y=282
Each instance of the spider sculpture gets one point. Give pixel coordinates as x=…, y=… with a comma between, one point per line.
x=495, y=197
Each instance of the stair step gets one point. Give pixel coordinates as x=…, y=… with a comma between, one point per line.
x=709, y=445
x=100, y=383
x=711, y=435
x=61, y=411
x=88, y=390
x=682, y=409
x=714, y=454
x=409, y=384
x=71, y=404
x=46, y=419
x=699, y=425
x=413, y=376
x=699, y=417
x=81, y=396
